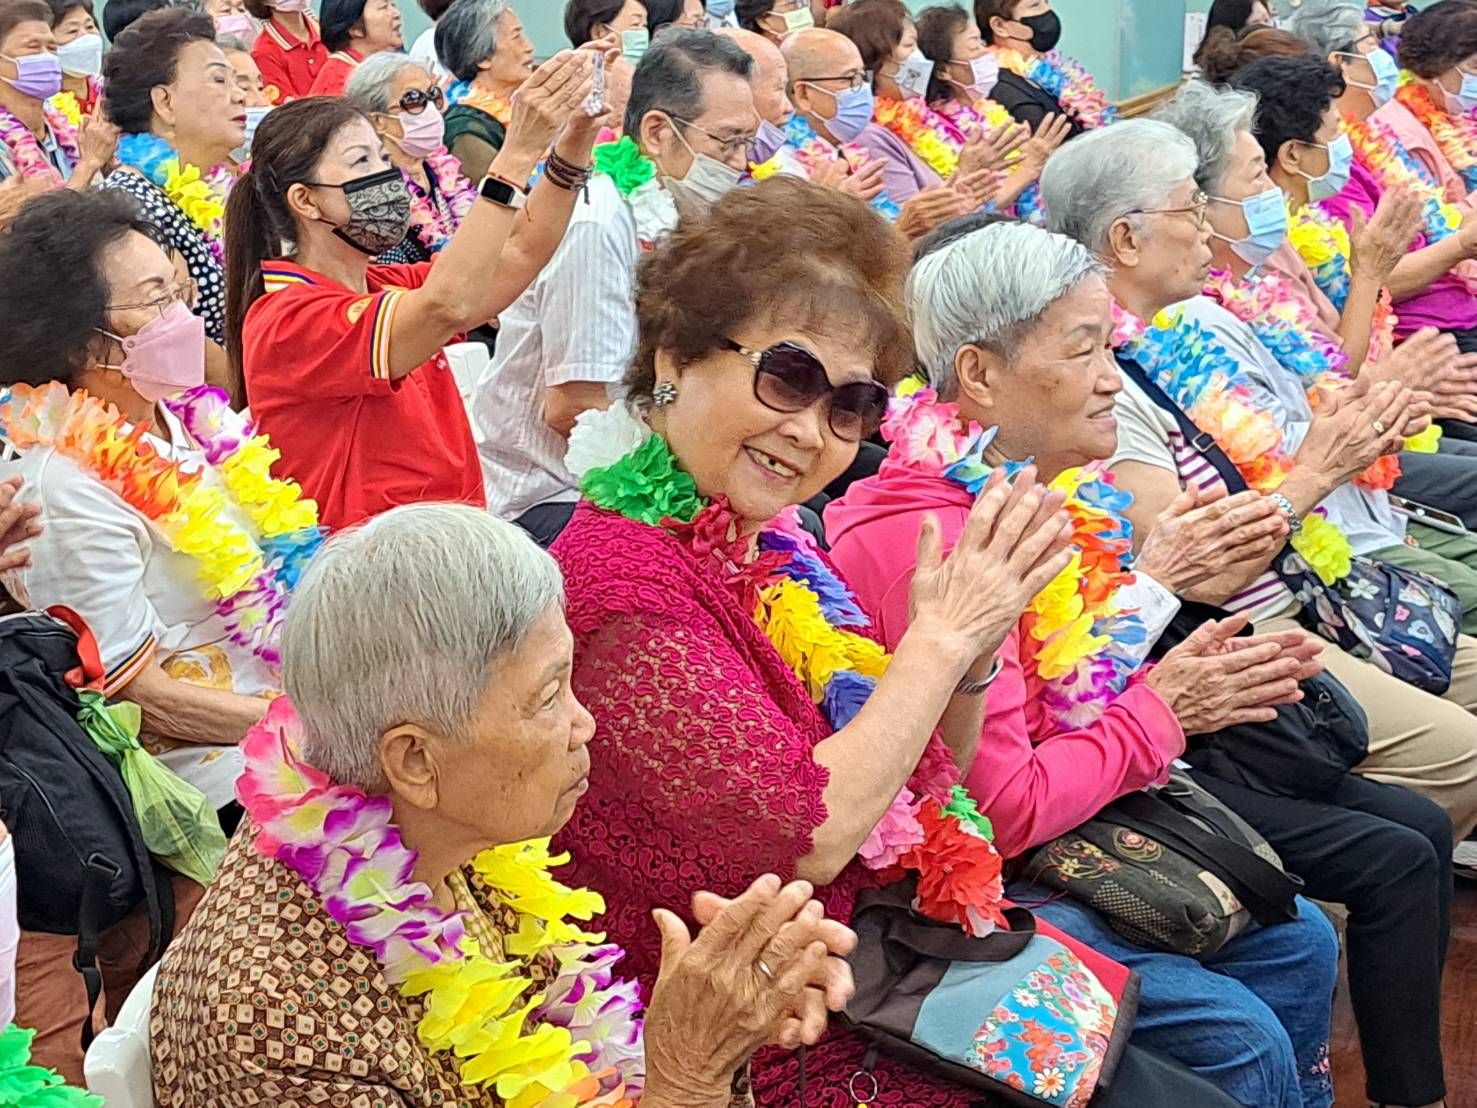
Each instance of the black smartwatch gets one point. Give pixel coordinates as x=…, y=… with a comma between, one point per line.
x=502, y=193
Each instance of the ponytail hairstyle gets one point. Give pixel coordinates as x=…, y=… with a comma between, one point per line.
x=285, y=150
x=1225, y=53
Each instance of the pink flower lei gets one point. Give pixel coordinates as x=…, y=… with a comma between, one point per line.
x=31, y=161
x=434, y=224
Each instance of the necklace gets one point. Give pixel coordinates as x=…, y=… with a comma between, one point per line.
x=933, y=828
x=1455, y=134
x=1185, y=360
x=1078, y=649
x=248, y=569
x=31, y=161
x=1385, y=157
x=576, y=1042
x=434, y=223
x=474, y=96
x=1067, y=80
x=804, y=150
x=635, y=178
x=200, y=196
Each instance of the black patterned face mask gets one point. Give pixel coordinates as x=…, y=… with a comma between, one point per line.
x=379, y=211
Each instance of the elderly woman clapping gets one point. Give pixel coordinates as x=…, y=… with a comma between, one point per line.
x=399, y=807
x=403, y=102
x=482, y=44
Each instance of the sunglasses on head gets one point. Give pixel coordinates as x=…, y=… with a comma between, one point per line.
x=415, y=100
x=789, y=378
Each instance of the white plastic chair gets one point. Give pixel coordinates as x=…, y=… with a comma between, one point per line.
x=117, y=1065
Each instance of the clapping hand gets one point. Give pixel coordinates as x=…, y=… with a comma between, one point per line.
x=931, y=209
x=864, y=182
x=1051, y=132
x=19, y=522
x=552, y=98
x=992, y=149
x=1444, y=378
x=1360, y=425
x=97, y=144
x=1379, y=244
x=1203, y=533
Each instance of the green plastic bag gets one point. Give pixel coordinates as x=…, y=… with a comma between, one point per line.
x=180, y=827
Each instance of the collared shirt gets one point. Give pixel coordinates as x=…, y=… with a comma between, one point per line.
x=333, y=78
x=576, y=322
x=289, y=65
x=316, y=357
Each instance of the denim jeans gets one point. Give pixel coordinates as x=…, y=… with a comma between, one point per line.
x=1252, y=1019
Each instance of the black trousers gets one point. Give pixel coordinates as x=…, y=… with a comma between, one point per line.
x=545, y=521
x=1446, y=480
x=1385, y=853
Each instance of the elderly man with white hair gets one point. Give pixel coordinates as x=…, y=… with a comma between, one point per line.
x=1013, y=326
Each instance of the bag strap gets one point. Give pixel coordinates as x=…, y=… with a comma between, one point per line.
x=100, y=874
x=901, y=926
x=1266, y=891
x=1200, y=441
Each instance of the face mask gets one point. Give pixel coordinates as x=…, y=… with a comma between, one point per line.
x=293, y=5
x=1386, y=76
x=379, y=211
x=238, y=25
x=1340, y=165
x=984, y=75
x=853, y=112
x=768, y=141
x=913, y=74
x=634, y=44
x=166, y=356
x=38, y=76
x=1266, y=225
x=424, y=133
x=254, y=117
x=82, y=57
x=1460, y=103
x=706, y=179
x=798, y=20
x=1046, y=31
x=720, y=9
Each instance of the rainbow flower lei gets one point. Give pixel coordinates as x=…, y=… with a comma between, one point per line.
x=431, y=226
x=1385, y=157
x=1323, y=243
x=1067, y=80
x=1184, y=359
x=31, y=161
x=1079, y=648
x=1455, y=134
x=987, y=115
x=808, y=150
x=24, y=1085
x=248, y=569
x=577, y=1042
x=200, y=196
x=931, y=136
x=812, y=619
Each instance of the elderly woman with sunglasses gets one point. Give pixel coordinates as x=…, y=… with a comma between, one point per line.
x=403, y=102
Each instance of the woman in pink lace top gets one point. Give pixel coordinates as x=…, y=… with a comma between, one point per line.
x=711, y=762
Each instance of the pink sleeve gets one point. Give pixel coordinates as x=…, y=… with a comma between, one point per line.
x=1035, y=792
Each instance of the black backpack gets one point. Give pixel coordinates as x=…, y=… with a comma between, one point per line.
x=81, y=863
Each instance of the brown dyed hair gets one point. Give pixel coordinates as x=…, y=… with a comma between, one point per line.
x=784, y=249
x=1436, y=39
x=1224, y=52
x=875, y=26
x=15, y=12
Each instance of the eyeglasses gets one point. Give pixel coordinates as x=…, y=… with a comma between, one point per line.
x=853, y=80
x=184, y=291
x=1197, y=208
x=414, y=100
x=789, y=378
x=737, y=146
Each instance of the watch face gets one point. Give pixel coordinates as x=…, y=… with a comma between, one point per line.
x=500, y=192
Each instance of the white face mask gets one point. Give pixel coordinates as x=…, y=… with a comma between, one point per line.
x=707, y=178
x=82, y=57
x=913, y=74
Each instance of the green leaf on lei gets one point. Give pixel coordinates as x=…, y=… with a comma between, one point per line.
x=962, y=807
x=625, y=165
x=23, y=1085
x=646, y=484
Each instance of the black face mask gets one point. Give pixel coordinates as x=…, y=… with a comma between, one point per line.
x=379, y=211
x=1046, y=31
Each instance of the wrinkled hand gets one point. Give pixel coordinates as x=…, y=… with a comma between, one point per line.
x=15, y=192
x=1430, y=363
x=1466, y=237
x=97, y=141
x=976, y=187
x=1013, y=544
x=548, y=101
x=1379, y=244
x=19, y=522
x=931, y=209
x=713, y=1006
x=1357, y=426
x=1203, y=533
x=865, y=182
x=1051, y=132
x=990, y=149
x=1214, y=680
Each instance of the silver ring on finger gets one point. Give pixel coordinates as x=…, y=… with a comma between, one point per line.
x=1379, y=427
x=764, y=969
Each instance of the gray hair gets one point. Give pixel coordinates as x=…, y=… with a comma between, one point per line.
x=466, y=35
x=670, y=77
x=369, y=85
x=1332, y=27
x=989, y=288
x=1210, y=117
x=400, y=621
x=1086, y=189
x=233, y=44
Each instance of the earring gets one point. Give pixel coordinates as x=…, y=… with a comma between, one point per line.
x=665, y=393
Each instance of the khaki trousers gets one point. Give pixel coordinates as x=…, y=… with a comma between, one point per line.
x=1426, y=743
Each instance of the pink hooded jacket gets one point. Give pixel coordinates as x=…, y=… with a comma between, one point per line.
x=1032, y=791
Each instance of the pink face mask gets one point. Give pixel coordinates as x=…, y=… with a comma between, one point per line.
x=167, y=356
x=423, y=133
x=237, y=24
x=293, y=5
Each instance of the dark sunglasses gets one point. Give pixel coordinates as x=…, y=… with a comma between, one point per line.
x=415, y=100
x=789, y=378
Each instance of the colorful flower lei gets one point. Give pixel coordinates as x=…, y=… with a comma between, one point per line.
x=249, y=570
x=1079, y=647
x=931, y=136
x=635, y=178
x=933, y=828
x=1184, y=359
x=31, y=161
x=1322, y=241
x=1385, y=157
x=1067, y=80
x=987, y=115
x=474, y=96
x=434, y=224
x=1455, y=134
x=578, y=1042
x=24, y=1085
x=201, y=196
x=804, y=149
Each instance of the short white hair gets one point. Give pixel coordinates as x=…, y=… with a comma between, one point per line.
x=400, y=620
x=1330, y=27
x=1211, y=117
x=989, y=288
x=1102, y=176
x=369, y=85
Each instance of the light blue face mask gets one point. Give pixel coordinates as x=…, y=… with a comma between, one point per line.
x=1464, y=101
x=1266, y=225
x=720, y=9
x=634, y=44
x=1386, y=75
x=1340, y=165
x=854, y=109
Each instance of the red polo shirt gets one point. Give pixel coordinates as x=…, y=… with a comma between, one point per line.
x=316, y=357
x=289, y=65
x=333, y=78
